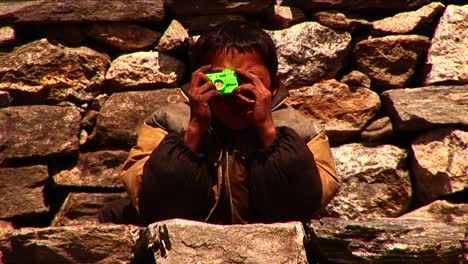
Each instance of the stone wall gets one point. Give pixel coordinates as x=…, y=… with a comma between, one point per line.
x=388, y=81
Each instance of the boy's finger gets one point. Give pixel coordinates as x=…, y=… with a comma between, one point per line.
x=204, y=68
x=254, y=78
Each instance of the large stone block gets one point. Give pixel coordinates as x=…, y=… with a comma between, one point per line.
x=182, y=241
x=448, y=55
x=41, y=11
x=388, y=241
x=70, y=244
x=39, y=72
x=21, y=191
x=375, y=182
x=82, y=208
x=309, y=52
x=417, y=109
x=38, y=132
x=343, y=110
x=144, y=70
x=182, y=8
x=439, y=164
x=120, y=115
x=99, y=169
x=390, y=61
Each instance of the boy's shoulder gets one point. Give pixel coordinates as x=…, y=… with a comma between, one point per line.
x=172, y=117
x=290, y=117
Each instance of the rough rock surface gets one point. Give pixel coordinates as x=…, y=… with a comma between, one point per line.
x=67, y=33
x=376, y=182
x=199, y=24
x=7, y=35
x=80, y=11
x=82, y=208
x=5, y=99
x=182, y=241
x=120, y=115
x=144, y=70
x=356, y=78
x=449, y=213
x=388, y=241
x=343, y=111
x=390, y=61
x=38, y=132
x=448, y=55
x=174, y=38
x=337, y=20
x=309, y=52
x=440, y=163
x=284, y=16
x=123, y=36
x=381, y=130
x=209, y=7
x=70, y=244
x=94, y=169
x=40, y=71
x=21, y=191
x=422, y=108
x=408, y=22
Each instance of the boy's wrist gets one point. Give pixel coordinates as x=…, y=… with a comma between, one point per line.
x=267, y=134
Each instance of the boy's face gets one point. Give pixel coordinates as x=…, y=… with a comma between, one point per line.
x=229, y=109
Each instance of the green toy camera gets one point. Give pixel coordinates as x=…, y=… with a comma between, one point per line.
x=225, y=81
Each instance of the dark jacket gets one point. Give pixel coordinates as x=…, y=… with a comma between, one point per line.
x=231, y=179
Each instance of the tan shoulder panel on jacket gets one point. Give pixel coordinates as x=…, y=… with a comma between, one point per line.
x=149, y=138
x=320, y=147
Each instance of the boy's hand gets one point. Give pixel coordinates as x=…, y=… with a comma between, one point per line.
x=201, y=92
x=257, y=95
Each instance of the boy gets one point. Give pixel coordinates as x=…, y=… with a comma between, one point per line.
x=243, y=157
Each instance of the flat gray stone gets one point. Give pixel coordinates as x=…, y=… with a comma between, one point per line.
x=309, y=52
x=447, y=59
x=209, y=7
x=390, y=61
x=126, y=37
x=174, y=38
x=440, y=210
x=7, y=35
x=375, y=182
x=39, y=72
x=94, y=169
x=439, y=164
x=417, y=109
x=82, y=208
x=342, y=21
x=121, y=114
x=343, y=110
x=381, y=130
x=358, y=5
x=144, y=70
x=283, y=16
x=183, y=241
x=41, y=11
x=38, y=132
x=70, y=244
x=21, y=191
x=409, y=22
x=388, y=241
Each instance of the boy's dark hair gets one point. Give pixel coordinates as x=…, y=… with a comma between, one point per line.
x=235, y=36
